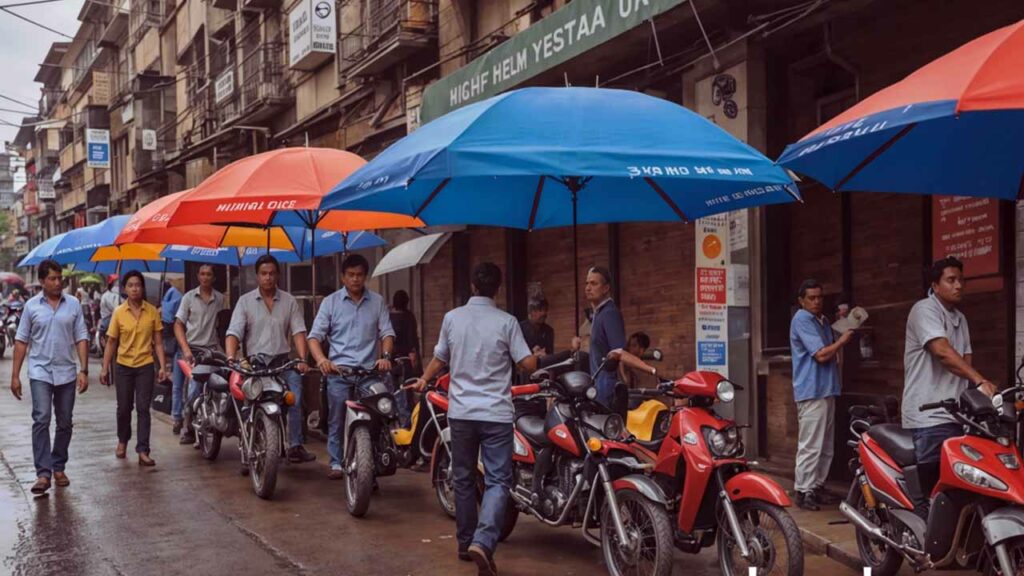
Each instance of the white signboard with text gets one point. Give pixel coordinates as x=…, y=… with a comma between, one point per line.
x=712, y=293
x=312, y=34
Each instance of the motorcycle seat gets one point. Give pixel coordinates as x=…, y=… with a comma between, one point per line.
x=897, y=442
x=532, y=427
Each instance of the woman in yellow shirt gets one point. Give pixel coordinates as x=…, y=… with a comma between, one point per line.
x=135, y=335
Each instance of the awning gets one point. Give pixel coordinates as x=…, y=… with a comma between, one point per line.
x=411, y=253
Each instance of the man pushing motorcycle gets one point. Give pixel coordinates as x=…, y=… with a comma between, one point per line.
x=480, y=344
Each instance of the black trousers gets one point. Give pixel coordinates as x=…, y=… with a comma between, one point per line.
x=134, y=389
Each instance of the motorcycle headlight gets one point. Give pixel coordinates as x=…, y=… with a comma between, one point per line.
x=385, y=405
x=591, y=393
x=723, y=443
x=978, y=477
x=726, y=391
x=252, y=388
x=613, y=427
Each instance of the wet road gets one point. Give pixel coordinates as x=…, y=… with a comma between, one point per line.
x=189, y=516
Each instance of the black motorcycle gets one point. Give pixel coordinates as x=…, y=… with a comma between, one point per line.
x=371, y=418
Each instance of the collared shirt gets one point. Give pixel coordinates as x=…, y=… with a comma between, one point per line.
x=925, y=379
x=481, y=344
x=134, y=336
x=110, y=300
x=51, y=336
x=812, y=380
x=543, y=336
x=200, y=318
x=263, y=331
x=607, y=333
x=352, y=329
x=169, y=305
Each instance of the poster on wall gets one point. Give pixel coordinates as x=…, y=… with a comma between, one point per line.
x=712, y=293
x=969, y=228
x=97, y=144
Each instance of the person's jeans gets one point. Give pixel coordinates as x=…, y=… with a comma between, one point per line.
x=48, y=399
x=293, y=380
x=177, y=385
x=134, y=389
x=815, y=442
x=339, y=391
x=605, y=390
x=493, y=442
x=928, y=453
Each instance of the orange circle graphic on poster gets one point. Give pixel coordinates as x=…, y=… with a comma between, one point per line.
x=711, y=247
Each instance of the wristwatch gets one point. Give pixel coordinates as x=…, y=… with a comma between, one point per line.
x=386, y=356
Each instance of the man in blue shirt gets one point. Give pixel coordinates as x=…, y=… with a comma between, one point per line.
x=480, y=344
x=168, y=310
x=351, y=322
x=52, y=328
x=815, y=352
x=607, y=332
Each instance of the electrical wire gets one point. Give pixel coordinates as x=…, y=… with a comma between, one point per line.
x=33, y=22
x=32, y=106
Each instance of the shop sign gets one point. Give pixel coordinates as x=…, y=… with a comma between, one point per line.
x=97, y=144
x=712, y=293
x=224, y=87
x=312, y=38
x=570, y=31
x=148, y=139
x=968, y=228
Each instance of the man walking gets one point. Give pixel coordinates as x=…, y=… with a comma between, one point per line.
x=480, y=344
x=937, y=366
x=52, y=328
x=351, y=322
x=540, y=336
x=265, y=319
x=195, y=327
x=168, y=310
x=815, y=352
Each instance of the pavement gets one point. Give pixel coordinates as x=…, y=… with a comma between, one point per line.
x=190, y=516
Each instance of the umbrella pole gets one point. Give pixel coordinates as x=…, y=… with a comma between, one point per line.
x=575, y=263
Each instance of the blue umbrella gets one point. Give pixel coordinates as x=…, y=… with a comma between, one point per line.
x=219, y=256
x=43, y=251
x=327, y=242
x=79, y=245
x=122, y=266
x=545, y=157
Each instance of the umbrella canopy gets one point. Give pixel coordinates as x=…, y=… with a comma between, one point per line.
x=43, y=251
x=11, y=278
x=79, y=245
x=951, y=127
x=123, y=266
x=544, y=157
x=327, y=242
x=219, y=256
x=411, y=253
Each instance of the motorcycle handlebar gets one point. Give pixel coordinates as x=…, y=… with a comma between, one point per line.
x=249, y=373
x=935, y=405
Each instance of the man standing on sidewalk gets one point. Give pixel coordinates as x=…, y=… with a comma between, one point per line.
x=168, y=310
x=481, y=344
x=52, y=327
x=815, y=352
x=265, y=319
x=351, y=321
x=195, y=326
x=607, y=333
x=937, y=366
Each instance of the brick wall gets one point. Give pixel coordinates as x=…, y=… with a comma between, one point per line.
x=488, y=245
x=437, y=297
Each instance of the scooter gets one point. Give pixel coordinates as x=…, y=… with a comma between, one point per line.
x=702, y=478
x=976, y=515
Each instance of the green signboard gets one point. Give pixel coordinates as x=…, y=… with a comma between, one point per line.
x=569, y=32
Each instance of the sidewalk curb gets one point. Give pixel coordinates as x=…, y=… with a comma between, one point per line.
x=827, y=548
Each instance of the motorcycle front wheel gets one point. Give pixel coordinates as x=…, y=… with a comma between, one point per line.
x=1014, y=549
x=359, y=478
x=772, y=538
x=441, y=478
x=649, y=549
x=883, y=560
x=266, y=456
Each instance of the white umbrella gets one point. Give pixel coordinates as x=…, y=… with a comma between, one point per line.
x=408, y=254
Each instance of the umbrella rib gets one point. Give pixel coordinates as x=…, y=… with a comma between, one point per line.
x=871, y=157
x=430, y=198
x=536, y=203
x=668, y=200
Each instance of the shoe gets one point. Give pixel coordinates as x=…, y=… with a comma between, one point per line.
x=122, y=450
x=464, y=556
x=484, y=560
x=823, y=496
x=61, y=479
x=41, y=486
x=145, y=460
x=336, y=474
x=299, y=455
x=806, y=501
x=187, y=438
x=176, y=429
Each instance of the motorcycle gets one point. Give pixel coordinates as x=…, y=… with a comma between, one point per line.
x=976, y=516
x=12, y=318
x=371, y=418
x=574, y=467
x=212, y=414
x=260, y=400
x=700, y=475
x=415, y=441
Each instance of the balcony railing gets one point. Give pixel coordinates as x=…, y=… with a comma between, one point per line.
x=48, y=100
x=392, y=23
x=145, y=14
x=263, y=76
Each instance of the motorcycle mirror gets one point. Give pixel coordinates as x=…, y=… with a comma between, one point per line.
x=997, y=400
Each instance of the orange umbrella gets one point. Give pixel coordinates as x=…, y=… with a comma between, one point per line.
x=282, y=187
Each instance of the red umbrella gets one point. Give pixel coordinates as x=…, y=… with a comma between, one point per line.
x=11, y=278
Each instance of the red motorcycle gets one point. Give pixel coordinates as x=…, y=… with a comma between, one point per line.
x=976, y=516
x=702, y=478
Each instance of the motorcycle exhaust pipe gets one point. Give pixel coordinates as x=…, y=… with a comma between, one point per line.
x=869, y=528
